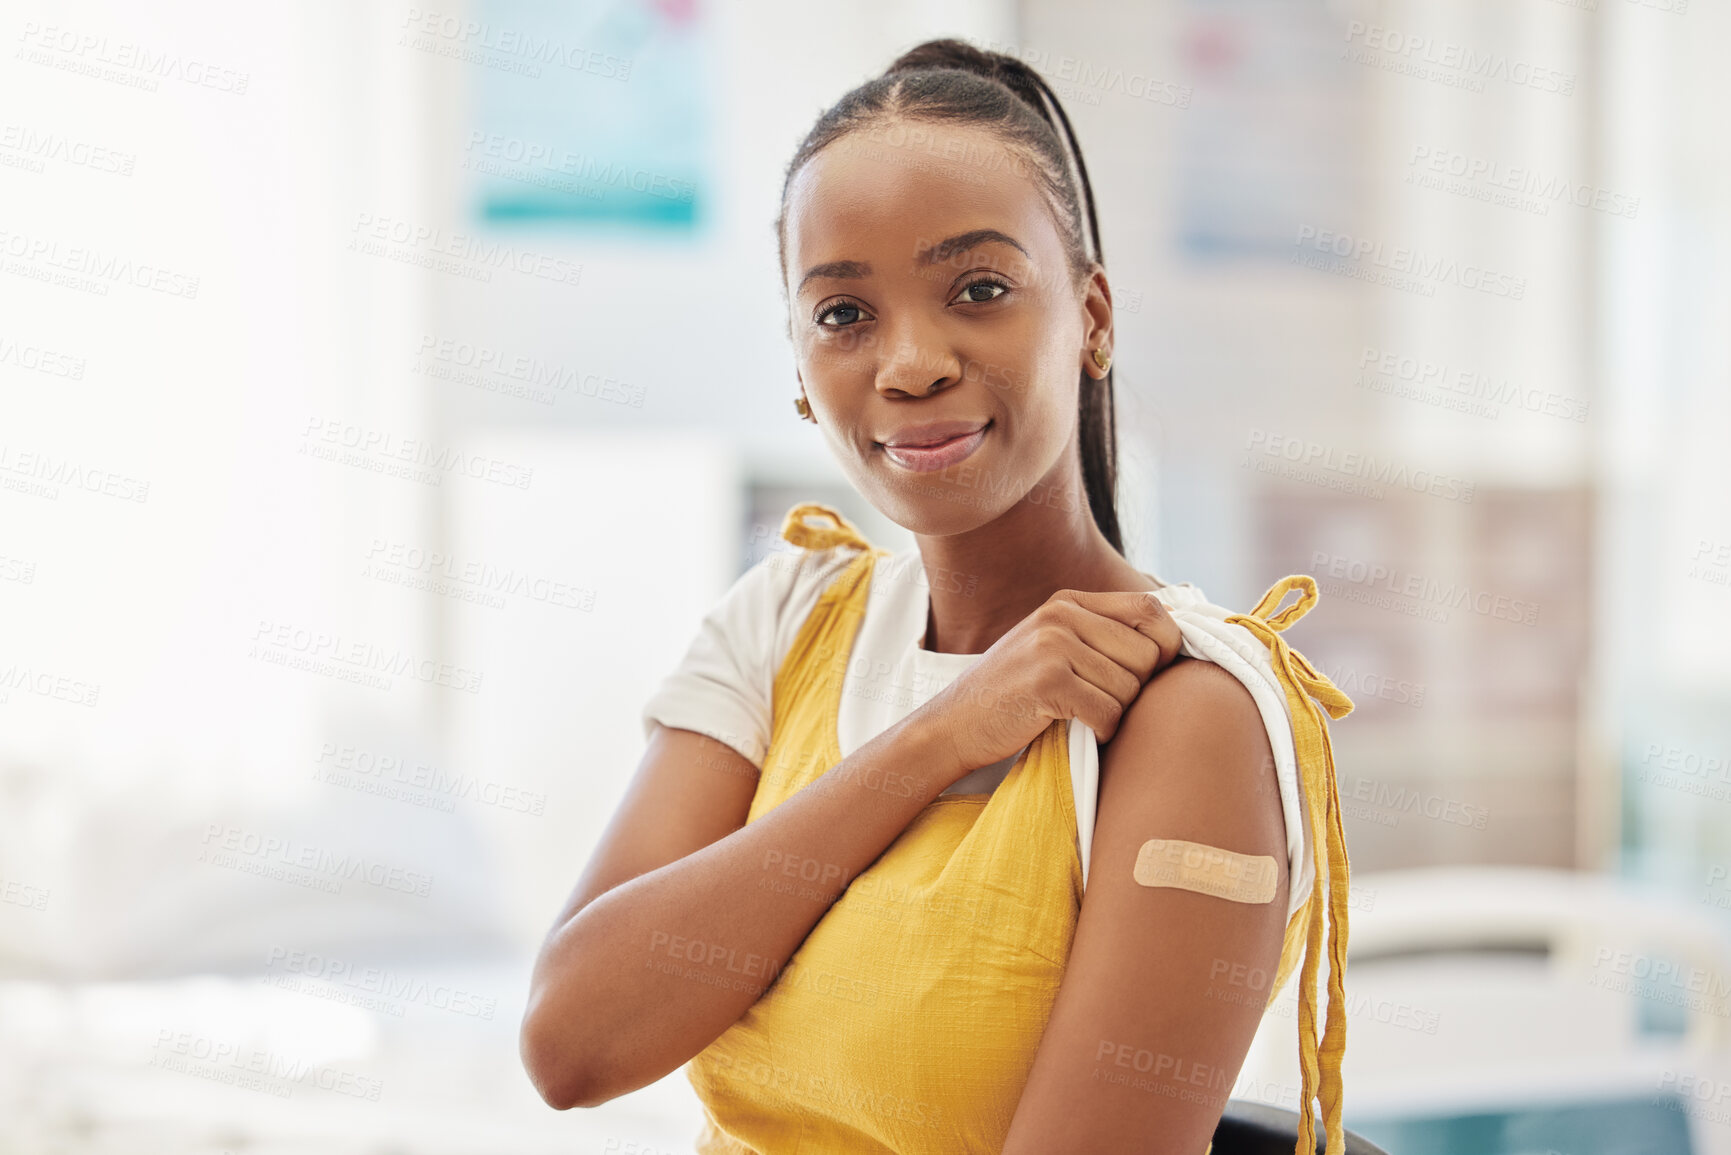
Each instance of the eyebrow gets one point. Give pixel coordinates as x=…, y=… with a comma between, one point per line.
x=960, y=243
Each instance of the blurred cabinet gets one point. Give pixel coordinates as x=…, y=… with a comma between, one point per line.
x=1459, y=629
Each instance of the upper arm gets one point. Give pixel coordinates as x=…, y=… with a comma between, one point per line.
x=723, y=683
x=703, y=725
x=707, y=725
x=1161, y=995
x=689, y=791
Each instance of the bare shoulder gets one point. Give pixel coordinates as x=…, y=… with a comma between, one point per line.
x=1199, y=683
x=1194, y=717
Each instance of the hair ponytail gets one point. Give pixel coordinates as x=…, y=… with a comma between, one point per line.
x=952, y=81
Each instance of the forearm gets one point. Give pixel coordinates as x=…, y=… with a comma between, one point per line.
x=648, y=974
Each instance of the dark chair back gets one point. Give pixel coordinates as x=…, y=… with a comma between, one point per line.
x=1248, y=1128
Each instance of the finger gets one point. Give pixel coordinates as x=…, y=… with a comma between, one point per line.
x=1167, y=634
x=1141, y=610
x=1088, y=664
x=1099, y=710
x=1142, y=651
x=1152, y=619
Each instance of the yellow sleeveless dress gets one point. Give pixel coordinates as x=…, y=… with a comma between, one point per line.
x=907, y=1021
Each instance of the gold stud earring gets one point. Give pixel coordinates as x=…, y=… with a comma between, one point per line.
x=804, y=408
x=1102, y=360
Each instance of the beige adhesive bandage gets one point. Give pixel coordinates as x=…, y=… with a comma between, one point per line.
x=1207, y=870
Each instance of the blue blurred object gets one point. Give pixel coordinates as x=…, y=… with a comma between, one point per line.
x=589, y=113
x=1248, y=1128
x=1656, y=1125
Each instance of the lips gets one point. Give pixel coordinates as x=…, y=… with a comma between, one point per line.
x=936, y=445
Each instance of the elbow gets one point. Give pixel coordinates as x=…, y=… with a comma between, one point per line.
x=560, y=1066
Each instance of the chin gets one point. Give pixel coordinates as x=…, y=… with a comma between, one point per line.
x=934, y=507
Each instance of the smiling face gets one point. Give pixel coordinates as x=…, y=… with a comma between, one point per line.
x=938, y=329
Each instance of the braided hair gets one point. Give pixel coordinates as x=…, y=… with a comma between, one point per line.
x=951, y=81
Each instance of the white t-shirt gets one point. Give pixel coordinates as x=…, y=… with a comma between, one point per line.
x=723, y=686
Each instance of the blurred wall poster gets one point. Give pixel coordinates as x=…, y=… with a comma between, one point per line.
x=586, y=111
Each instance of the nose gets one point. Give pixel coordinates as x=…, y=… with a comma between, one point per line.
x=915, y=362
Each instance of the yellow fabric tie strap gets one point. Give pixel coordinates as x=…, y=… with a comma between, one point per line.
x=1303, y=683
x=840, y=532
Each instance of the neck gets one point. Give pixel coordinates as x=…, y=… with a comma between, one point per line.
x=984, y=581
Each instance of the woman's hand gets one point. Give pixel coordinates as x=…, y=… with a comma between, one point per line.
x=1080, y=655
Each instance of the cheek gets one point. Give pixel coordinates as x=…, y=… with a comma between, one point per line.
x=838, y=362
x=1046, y=406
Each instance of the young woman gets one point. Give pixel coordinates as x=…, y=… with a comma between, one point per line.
x=999, y=844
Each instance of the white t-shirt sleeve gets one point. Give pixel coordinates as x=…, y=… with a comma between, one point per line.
x=724, y=685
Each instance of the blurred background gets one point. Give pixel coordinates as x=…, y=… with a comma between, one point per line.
x=387, y=391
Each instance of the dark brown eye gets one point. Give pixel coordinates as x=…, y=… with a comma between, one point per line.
x=971, y=292
x=842, y=308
